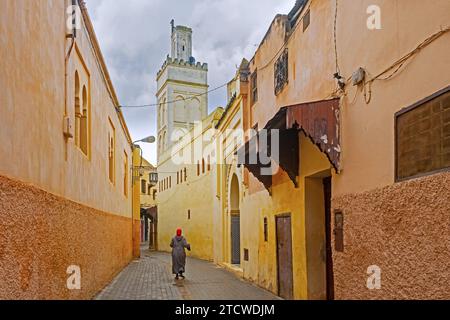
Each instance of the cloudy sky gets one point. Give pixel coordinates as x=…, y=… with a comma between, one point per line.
x=135, y=39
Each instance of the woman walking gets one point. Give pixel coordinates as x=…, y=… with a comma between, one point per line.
x=178, y=245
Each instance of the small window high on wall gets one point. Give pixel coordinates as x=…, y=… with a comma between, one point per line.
x=143, y=186
x=423, y=137
x=281, y=72
x=82, y=106
x=111, y=152
x=84, y=122
x=125, y=174
x=254, y=87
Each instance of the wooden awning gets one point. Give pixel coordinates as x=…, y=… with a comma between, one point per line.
x=151, y=213
x=317, y=120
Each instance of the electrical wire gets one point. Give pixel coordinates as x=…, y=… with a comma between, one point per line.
x=397, y=66
x=177, y=100
x=401, y=62
x=338, y=71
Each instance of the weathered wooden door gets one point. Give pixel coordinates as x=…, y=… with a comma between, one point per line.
x=235, y=239
x=284, y=257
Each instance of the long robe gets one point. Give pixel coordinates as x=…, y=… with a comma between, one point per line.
x=178, y=245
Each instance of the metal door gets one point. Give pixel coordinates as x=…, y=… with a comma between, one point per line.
x=284, y=257
x=235, y=239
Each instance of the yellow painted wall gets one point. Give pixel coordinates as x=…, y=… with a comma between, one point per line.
x=310, y=79
x=197, y=194
x=228, y=138
x=285, y=198
x=146, y=198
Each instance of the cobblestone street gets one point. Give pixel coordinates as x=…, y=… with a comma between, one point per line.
x=150, y=278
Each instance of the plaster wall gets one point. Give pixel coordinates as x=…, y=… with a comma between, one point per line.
x=42, y=234
x=58, y=206
x=32, y=146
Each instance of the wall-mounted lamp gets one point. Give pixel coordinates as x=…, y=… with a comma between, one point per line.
x=149, y=139
x=138, y=170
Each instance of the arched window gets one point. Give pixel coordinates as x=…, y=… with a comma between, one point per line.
x=164, y=113
x=195, y=113
x=179, y=110
x=111, y=151
x=209, y=163
x=77, y=109
x=84, y=123
x=203, y=165
x=125, y=175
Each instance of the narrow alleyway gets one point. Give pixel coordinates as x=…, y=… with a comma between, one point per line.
x=150, y=278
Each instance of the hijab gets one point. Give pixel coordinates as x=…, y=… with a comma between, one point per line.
x=179, y=232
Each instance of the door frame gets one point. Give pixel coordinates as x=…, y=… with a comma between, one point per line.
x=279, y=216
x=328, y=182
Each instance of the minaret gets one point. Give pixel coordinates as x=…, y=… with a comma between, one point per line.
x=181, y=42
x=182, y=86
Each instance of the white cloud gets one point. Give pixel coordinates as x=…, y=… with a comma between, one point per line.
x=135, y=39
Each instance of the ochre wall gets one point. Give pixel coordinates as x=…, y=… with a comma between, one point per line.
x=42, y=234
x=368, y=160
x=310, y=70
x=72, y=214
x=403, y=229
x=367, y=143
x=32, y=146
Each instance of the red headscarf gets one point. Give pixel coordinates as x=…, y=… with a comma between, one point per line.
x=179, y=232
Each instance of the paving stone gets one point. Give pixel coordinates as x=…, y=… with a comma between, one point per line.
x=150, y=278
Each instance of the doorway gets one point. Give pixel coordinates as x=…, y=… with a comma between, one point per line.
x=153, y=229
x=235, y=222
x=284, y=257
x=318, y=237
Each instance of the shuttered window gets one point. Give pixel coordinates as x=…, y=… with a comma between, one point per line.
x=281, y=72
x=423, y=137
x=254, y=87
